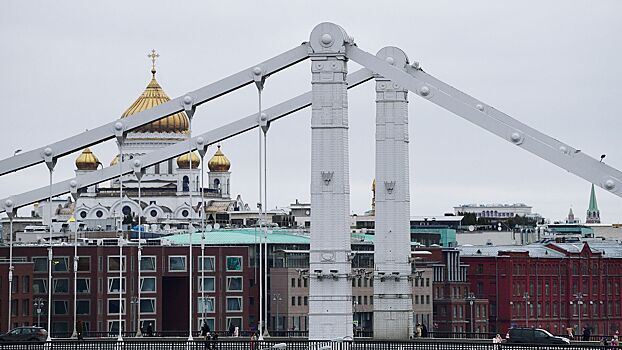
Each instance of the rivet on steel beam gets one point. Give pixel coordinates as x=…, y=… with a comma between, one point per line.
x=118, y=126
x=390, y=60
x=609, y=184
x=47, y=152
x=188, y=100
x=424, y=91
x=73, y=184
x=516, y=138
x=8, y=203
x=326, y=39
x=257, y=71
x=479, y=106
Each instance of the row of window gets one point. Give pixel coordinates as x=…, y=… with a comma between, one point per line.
x=176, y=263
x=147, y=306
x=559, y=309
x=419, y=299
x=551, y=288
x=147, y=285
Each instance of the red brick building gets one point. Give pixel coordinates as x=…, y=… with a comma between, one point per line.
x=230, y=288
x=552, y=286
x=456, y=310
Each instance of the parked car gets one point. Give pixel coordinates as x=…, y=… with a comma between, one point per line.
x=533, y=336
x=25, y=334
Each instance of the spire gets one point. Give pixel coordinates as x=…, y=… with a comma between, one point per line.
x=593, y=205
x=593, y=214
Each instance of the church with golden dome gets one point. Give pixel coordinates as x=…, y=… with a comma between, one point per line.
x=167, y=187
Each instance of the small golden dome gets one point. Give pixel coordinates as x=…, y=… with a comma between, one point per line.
x=87, y=160
x=219, y=163
x=182, y=161
x=153, y=96
x=114, y=160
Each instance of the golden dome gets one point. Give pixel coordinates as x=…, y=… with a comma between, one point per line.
x=182, y=161
x=219, y=163
x=87, y=160
x=153, y=96
x=114, y=160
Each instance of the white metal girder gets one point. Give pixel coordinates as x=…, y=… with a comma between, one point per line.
x=224, y=132
x=185, y=102
x=494, y=121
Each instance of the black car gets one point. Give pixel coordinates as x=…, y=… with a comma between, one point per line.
x=25, y=334
x=533, y=336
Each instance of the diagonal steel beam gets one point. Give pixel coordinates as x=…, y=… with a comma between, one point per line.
x=494, y=121
x=214, y=136
x=191, y=99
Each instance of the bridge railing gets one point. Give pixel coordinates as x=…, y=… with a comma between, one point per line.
x=290, y=344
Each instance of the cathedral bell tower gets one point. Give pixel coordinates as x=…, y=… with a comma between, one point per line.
x=219, y=175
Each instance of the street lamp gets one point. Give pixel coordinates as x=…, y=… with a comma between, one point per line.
x=471, y=299
x=526, y=298
x=277, y=299
x=39, y=303
x=578, y=298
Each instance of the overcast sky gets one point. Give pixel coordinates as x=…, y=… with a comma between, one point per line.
x=67, y=66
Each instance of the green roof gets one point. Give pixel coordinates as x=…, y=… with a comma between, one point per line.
x=593, y=205
x=241, y=236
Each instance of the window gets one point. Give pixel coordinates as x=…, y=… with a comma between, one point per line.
x=84, y=264
x=147, y=306
x=25, y=307
x=113, y=285
x=61, y=285
x=83, y=307
x=59, y=307
x=113, y=326
x=40, y=264
x=209, y=320
x=113, y=306
x=176, y=263
x=83, y=285
x=25, y=284
x=234, y=321
x=113, y=264
x=294, y=300
x=234, y=263
x=147, y=284
x=209, y=262
x=294, y=283
x=234, y=303
x=207, y=303
x=208, y=285
x=148, y=263
x=234, y=284
x=39, y=286
x=60, y=264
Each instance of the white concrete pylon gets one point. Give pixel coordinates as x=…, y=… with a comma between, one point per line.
x=330, y=290
x=392, y=293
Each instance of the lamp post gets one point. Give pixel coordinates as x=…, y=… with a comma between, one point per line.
x=39, y=303
x=526, y=299
x=277, y=299
x=471, y=299
x=11, y=213
x=139, y=172
x=578, y=298
x=72, y=222
x=50, y=162
x=136, y=306
x=202, y=149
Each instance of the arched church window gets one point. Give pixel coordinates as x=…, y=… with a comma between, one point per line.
x=99, y=213
x=184, y=213
x=216, y=183
x=83, y=214
x=185, y=184
x=153, y=213
x=126, y=210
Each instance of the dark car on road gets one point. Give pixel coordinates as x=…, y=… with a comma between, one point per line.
x=533, y=336
x=25, y=334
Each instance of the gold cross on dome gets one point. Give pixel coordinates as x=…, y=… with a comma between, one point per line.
x=153, y=55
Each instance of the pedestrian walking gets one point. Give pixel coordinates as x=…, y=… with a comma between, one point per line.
x=586, y=333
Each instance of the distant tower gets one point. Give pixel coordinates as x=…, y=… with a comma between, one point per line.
x=219, y=175
x=593, y=214
x=571, y=219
